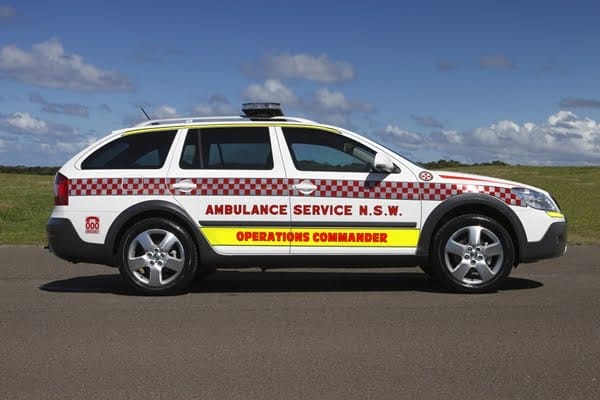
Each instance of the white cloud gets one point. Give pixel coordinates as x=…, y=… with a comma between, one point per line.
x=27, y=140
x=452, y=137
x=325, y=105
x=407, y=140
x=564, y=138
x=47, y=65
x=24, y=124
x=332, y=101
x=305, y=66
x=216, y=105
x=334, y=107
x=271, y=90
x=71, y=148
x=44, y=152
x=164, y=112
x=329, y=100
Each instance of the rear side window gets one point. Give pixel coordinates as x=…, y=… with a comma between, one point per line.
x=140, y=151
x=227, y=148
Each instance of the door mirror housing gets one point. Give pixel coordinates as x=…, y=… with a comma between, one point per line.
x=383, y=163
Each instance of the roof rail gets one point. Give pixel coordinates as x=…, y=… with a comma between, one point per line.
x=293, y=119
x=191, y=120
x=187, y=120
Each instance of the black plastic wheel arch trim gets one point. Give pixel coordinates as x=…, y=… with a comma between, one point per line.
x=469, y=199
x=132, y=212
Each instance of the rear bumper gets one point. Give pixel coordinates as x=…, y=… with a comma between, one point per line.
x=65, y=243
x=553, y=244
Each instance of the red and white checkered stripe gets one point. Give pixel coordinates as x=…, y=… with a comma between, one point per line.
x=503, y=193
x=235, y=186
x=283, y=187
x=361, y=189
x=95, y=187
x=118, y=186
x=441, y=191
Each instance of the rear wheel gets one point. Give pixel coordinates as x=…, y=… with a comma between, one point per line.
x=158, y=257
x=473, y=253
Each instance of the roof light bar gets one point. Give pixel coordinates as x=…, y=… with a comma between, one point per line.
x=262, y=110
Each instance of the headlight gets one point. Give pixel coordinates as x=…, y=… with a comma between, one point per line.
x=535, y=199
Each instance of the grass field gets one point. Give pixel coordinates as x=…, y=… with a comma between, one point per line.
x=26, y=200
x=25, y=205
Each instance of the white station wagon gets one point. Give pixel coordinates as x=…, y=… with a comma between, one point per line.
x=168, y=200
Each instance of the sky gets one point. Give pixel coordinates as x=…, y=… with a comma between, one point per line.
x=473, y=81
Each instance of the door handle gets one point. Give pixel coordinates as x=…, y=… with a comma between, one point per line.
x=184, y=186
x=305, y=187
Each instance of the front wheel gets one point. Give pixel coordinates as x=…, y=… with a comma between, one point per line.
x=473, y=253
x=158, y=257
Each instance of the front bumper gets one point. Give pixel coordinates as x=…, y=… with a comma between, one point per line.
x=65, y=243
x=553, y=244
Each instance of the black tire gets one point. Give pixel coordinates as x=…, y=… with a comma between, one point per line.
x=158, y=257
x=465, y=264
x=426, y=268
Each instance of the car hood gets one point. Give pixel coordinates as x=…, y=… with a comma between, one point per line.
x=472, y=179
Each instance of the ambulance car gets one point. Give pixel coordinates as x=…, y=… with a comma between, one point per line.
x=168, y=200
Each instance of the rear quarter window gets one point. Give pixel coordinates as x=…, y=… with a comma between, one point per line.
x=139, y=151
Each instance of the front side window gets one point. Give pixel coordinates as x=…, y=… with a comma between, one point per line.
x=140, y=151
x=316, y=150
x=246, y=148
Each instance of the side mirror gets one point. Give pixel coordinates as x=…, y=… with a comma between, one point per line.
x=383, y=163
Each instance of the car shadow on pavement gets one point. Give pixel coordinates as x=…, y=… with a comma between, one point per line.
x=281, y=281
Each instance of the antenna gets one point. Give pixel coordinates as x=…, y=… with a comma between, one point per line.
x=145, y=113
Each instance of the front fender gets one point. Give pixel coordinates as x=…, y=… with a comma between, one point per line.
x=471, y=203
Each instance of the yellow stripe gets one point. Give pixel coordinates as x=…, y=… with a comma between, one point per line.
x=154, y=129
x=227, y=236
x=554, y=214
x=221, y=125
x=315, y=237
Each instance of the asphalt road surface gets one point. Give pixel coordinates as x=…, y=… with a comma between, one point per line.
x=75, y=331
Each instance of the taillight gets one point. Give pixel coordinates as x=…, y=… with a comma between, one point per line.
x=61, y=190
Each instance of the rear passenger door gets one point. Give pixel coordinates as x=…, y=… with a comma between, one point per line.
x=339, y=205
x=231, y=180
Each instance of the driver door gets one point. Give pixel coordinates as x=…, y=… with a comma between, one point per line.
x=339, y=204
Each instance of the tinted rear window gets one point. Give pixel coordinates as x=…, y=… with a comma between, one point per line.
x=140, y=151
